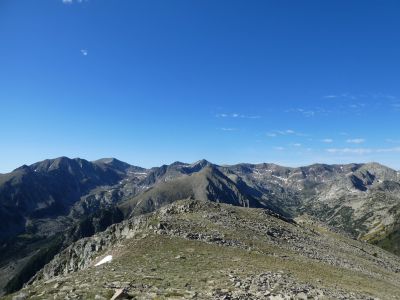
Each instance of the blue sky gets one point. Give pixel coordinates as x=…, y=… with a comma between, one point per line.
x=152, y=82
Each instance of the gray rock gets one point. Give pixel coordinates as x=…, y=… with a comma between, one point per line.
x=20, y=296
x=119, y=294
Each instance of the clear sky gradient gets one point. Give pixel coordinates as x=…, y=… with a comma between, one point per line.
x=155, y=81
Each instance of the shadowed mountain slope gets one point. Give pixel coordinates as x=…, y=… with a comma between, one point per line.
x=207, y=184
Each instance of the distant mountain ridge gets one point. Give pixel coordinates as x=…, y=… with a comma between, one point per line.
x=74, y=198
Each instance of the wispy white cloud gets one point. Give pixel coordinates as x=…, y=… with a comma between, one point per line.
x=309, y=112
x=362, y=151
x=386, y=150
x=349, y=150
x=304, y=112
x=396, y=105
x=228, y=129
x=236, y=115
x=249, y=117
x=341, y=96
x=222, y=115
x=328, y=141
x=73, y=1
x=392, y=141
x=279, y=148
x=361, y=102
x=276, y=133
x=271, y=134
x=348, y=103
x=84, y=52
x=357, y=105
x=383, y=96
x=355, y=141
x=296, y=145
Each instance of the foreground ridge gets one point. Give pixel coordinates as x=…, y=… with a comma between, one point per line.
x=202, y=250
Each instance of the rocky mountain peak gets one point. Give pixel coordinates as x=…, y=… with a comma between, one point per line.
x=116, y=164
x=23, y=168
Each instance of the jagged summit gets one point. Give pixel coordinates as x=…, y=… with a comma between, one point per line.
x=110, y=161
x=202, y=162
x=178, y=163
x=25, y=168
x=118, y=165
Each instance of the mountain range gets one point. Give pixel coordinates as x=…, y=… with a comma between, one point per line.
x=54, y=206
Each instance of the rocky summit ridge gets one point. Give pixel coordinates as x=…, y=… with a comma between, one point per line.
x=57, y=204
x=194, y=249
